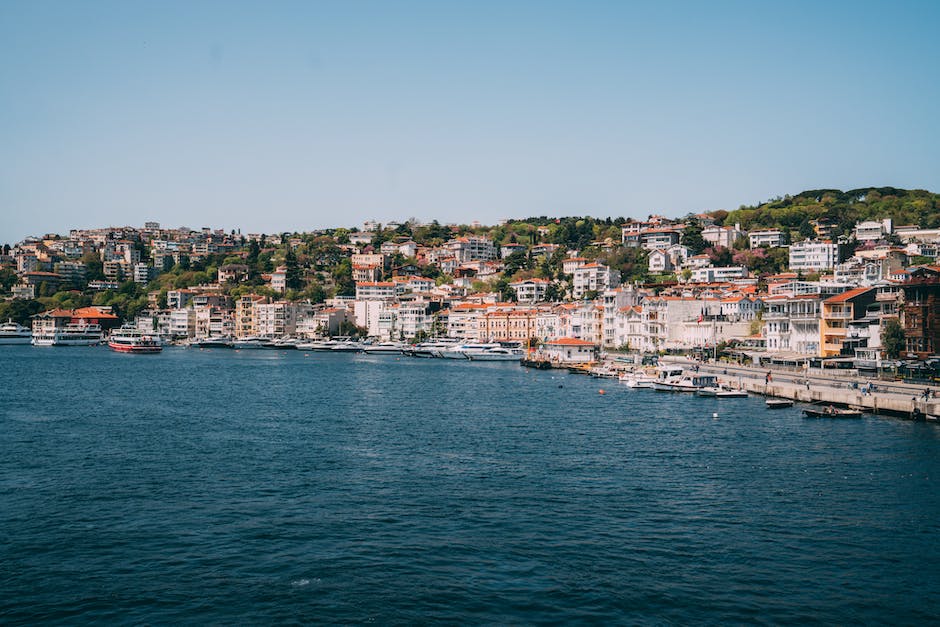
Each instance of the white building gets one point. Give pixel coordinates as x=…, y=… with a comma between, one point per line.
x=872, y=230
x=813, y=255
x=594, y=277
x=378, y=290
x=530, y=290
x=472, y=248
x=767, y=237
x=711, y=274
x=182, y=323
x=724, y=236
x=570, y=350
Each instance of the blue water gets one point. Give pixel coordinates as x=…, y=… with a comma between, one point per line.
x=254, y=486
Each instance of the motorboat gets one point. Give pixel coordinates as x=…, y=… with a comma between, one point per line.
x=218, y=341
x=720, y=391
x=286, y=343
x=317, y=345
x=637, y=380
x=383, y=348
x=778, y=403
x=428, y=350
x=347, y=346
x=131, y=340
x=831, y=412
x=252, y=342
x=666, y=376
x=14, y=333
x=604, y=372
x=498, y=353
x=464, y=351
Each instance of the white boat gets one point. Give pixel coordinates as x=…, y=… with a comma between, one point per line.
x=252, y=342
x=131, y=340
x=14, y=333
x=220, y=341
x=497, y=354
x=637, y=380
x=687, y=383
x=316, y=345
x=464, y=351
x=666, y=376
x=347, y=346
x=778, y=403
x=71, y=334
x=286, y=343
x=604, y=372
x=720, y=391
x=383, y=348
x=434, y=348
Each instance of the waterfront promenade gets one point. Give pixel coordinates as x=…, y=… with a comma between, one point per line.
x=887, y=397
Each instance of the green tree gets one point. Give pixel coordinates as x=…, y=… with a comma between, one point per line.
x=294, y=279
x=892, y=338
x=692, y=238
x=19, y=310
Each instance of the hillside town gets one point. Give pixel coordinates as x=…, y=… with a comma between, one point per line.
x=571, y=286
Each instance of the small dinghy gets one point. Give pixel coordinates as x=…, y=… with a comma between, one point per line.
x=779, y=403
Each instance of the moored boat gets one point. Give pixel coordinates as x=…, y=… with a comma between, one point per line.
x=14, y=333
x=383, y=348
x=71, y=334
x=498, y=354
x=831, y=412
x=778, y=403
x=221, y=341
x=130, y=340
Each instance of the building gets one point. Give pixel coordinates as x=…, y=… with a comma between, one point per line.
x=836, y=314
x=472, y=248
x=375, y=290
x=872, y=230
x=530, y=290
x=570, y=350
x=593, y=277
x=508, y=324
x=768, y=237
x=724, y=236
x=233, y=273
x=711, y=274
x=920, y=311
x=813, y=255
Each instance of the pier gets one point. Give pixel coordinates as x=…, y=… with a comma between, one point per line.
x=893, y=398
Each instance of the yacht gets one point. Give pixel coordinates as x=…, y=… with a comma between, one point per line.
x=71, y=334
x=14, y=333
x=317, y=345
x=253, y=342
x=131, y=340
x=427, y=350
x=217, y=341
x=464, y=351
x=497, y=353
x=688, y=383
x=666, y=376
x=384, y=348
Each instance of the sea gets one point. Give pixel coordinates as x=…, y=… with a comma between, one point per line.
x=254, y=486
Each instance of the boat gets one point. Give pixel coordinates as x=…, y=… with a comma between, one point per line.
x=464, y=351
x=831, y=412
x=498, y=354
x=14, y=333
x=317, y=345
x=604, y=372
x=778, y=403
x=430, y=349
x=71, y=334
x=720, y=391
x=252, y=342
x=131, y=340
x=673, y=379
x=220, y=341
x=637, y=380
x=347, y=346
x=285, y=343
x=538, y=364
x=383, y=348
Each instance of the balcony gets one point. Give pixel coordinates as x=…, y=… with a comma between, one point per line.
x=837, y=315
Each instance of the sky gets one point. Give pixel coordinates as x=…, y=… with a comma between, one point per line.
x=283, y=116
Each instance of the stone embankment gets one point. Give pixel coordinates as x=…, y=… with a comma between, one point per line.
x=895, y=398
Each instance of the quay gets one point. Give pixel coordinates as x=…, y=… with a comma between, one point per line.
x=891, y=398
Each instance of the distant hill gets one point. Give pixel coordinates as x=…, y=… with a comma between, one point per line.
x=841, y=209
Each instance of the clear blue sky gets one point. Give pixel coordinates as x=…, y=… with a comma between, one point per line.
x=282, y=116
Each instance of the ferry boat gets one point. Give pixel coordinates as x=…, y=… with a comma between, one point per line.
x=14, y=333
x=70, y=334
x=128, y=340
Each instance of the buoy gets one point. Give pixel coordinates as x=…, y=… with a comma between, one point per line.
x=715, y=415
x=601, y=392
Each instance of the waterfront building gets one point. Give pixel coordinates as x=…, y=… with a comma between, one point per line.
x=920, y=311
x=182, y=323
x=245, y=314
x=570, y=350
x=836, y=314
x=508, y=323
